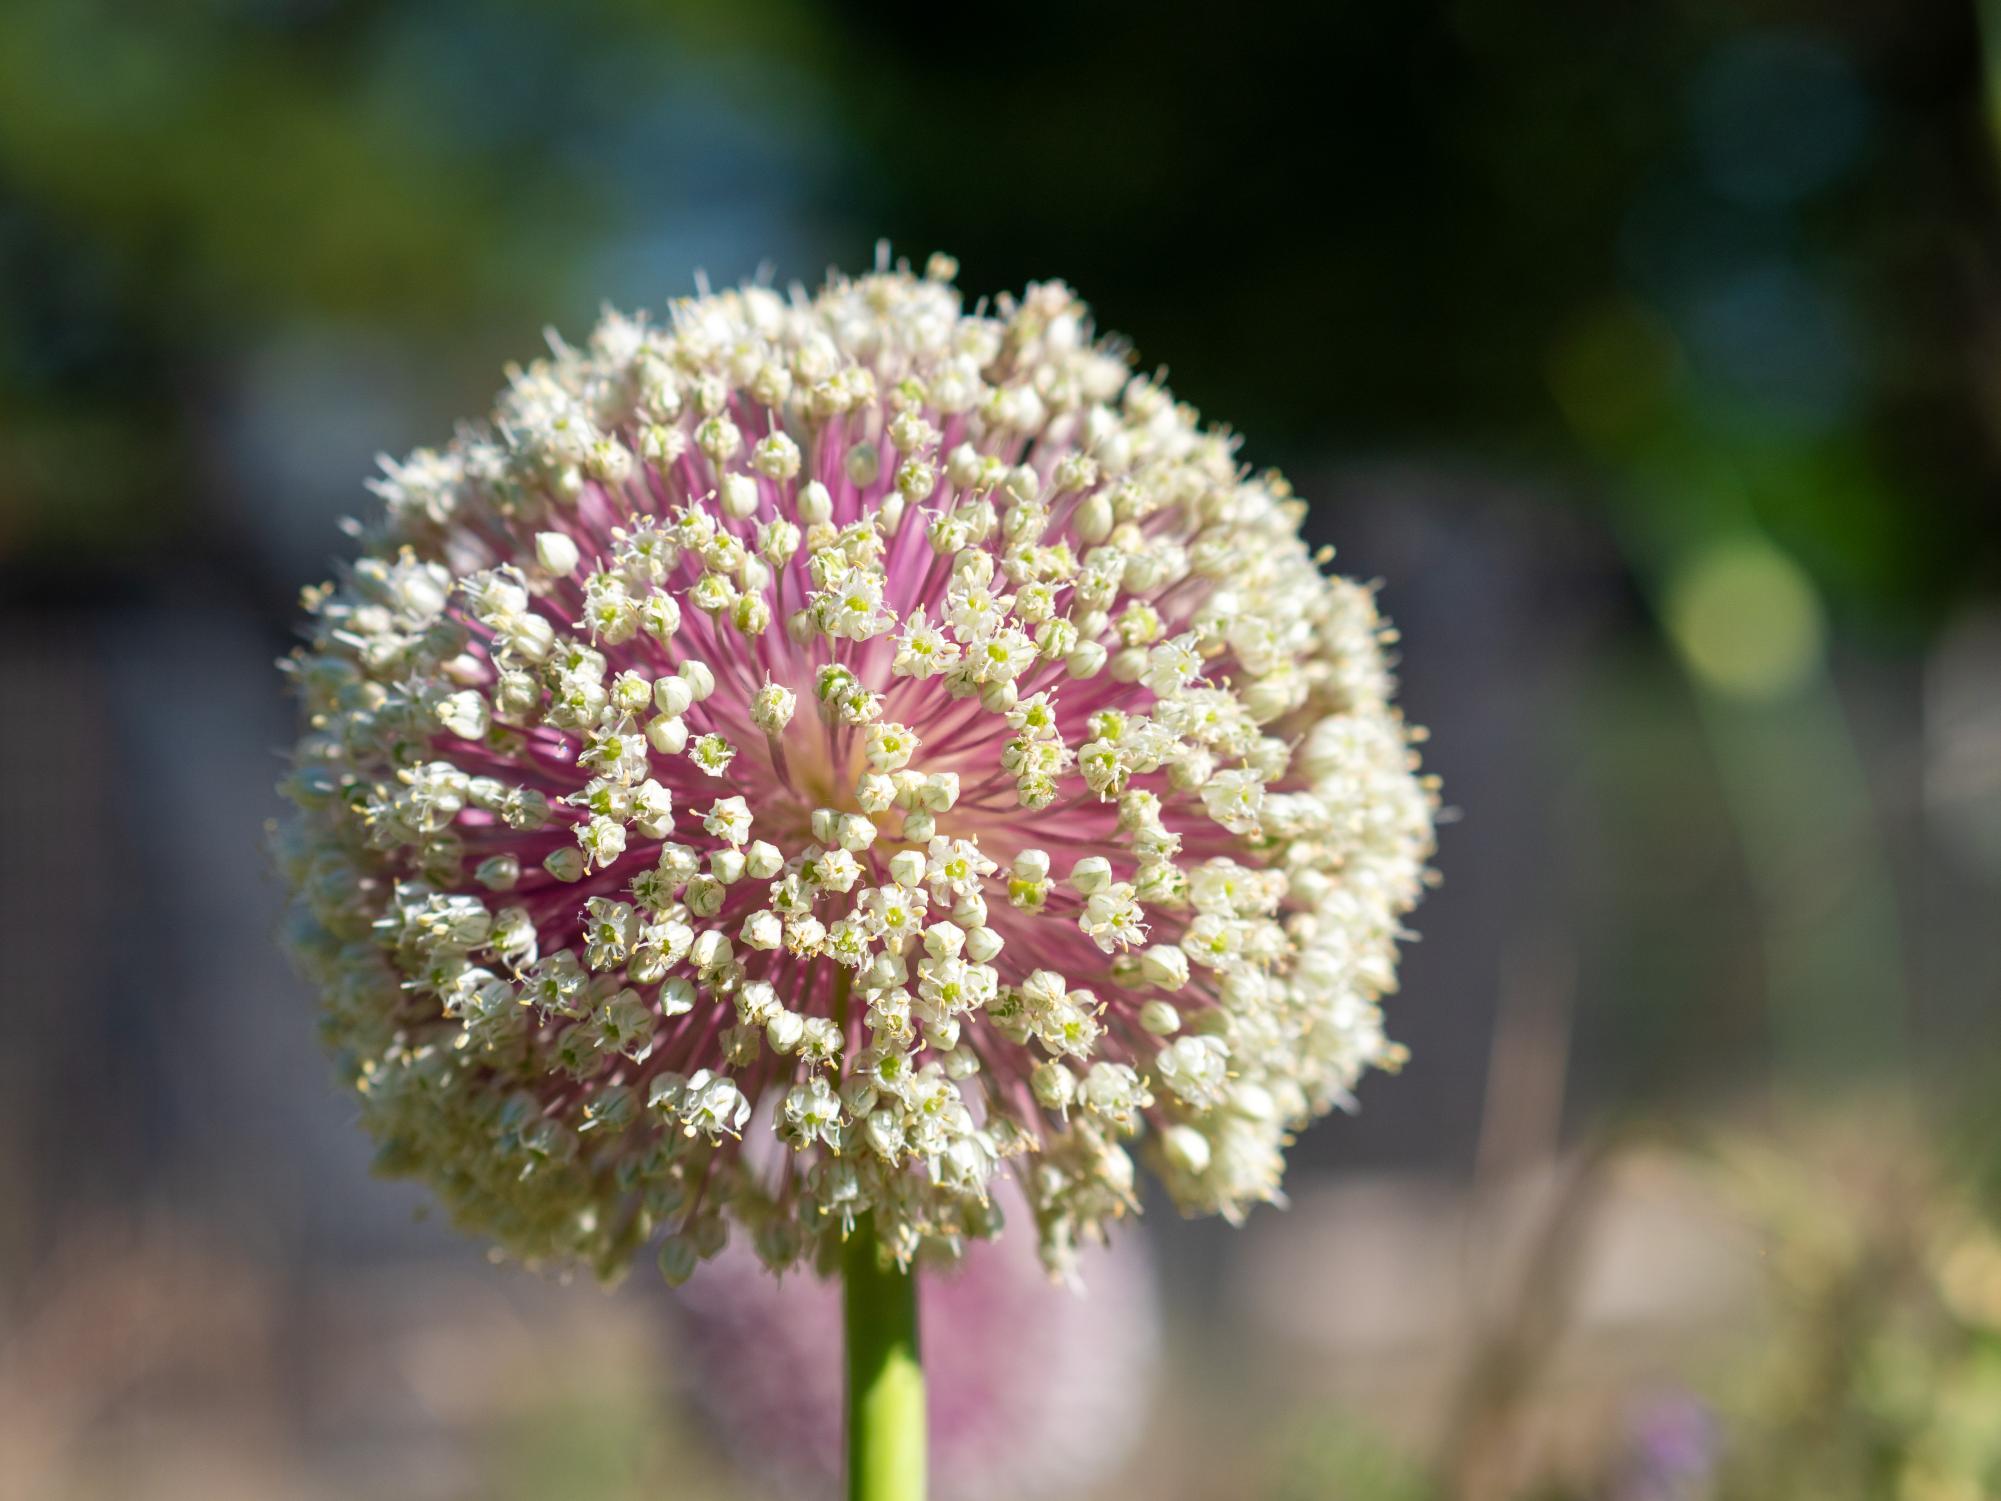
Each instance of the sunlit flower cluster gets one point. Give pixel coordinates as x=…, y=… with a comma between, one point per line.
x=819, y=754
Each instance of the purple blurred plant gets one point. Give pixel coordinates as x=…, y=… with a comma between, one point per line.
x=1035, y=1389
x=1673, y=1443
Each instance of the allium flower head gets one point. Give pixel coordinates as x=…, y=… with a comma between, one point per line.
x=818, y=754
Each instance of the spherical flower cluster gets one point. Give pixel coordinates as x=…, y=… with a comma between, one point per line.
x=820, y=754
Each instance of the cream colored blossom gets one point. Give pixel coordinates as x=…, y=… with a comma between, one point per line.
x=817, y=755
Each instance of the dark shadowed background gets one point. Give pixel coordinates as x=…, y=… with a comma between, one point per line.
x=1651, y=352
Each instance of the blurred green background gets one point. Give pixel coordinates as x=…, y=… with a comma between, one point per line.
x=1650, y=351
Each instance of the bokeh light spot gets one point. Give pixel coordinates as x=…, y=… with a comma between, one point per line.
x=1746, y=618
x=1612, y=368
x=1777, y=117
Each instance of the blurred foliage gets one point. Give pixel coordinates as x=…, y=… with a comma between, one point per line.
x=1720, y=263
x=1880, y=1376
x=180, y=183
x=1870, y=1372
x=1321, y=1454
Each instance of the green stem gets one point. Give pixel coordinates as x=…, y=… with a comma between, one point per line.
x=885, y=1378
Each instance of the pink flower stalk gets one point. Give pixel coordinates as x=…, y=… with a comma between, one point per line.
x=1033, y=1389
x=797, y=759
